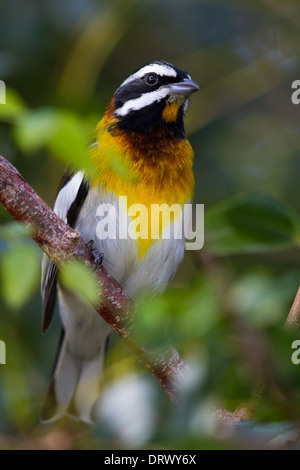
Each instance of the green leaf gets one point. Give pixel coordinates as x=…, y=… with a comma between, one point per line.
x=201, y=311
x=20, y=274
x=35, y=129
x=70, y=142
x=254, y=222
x=79, y=278
x=13, y=108
x=15, y=231
x=116, y=161
x=63, y=133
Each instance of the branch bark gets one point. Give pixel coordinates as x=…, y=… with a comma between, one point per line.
x=293, y=319
x=62, y=243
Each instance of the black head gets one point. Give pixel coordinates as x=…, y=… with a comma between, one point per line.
x=156, y=94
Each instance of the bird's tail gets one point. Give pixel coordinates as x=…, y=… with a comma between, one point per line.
x=75, y=384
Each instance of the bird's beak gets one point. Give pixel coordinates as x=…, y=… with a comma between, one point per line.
x=185, y=88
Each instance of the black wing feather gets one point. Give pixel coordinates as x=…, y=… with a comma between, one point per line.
x=49, y=286
x=49, y=295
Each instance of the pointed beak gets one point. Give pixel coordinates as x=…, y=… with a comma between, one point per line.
x=185, y=88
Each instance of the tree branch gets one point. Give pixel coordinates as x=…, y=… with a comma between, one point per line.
x=293, y=319
x=62, y=243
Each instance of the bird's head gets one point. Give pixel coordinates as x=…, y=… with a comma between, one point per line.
x=155, y=95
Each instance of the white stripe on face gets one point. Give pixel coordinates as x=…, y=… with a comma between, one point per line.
x=160, y=69
x=144, y=100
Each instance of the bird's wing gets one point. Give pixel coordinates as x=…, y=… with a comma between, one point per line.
x=72, y=191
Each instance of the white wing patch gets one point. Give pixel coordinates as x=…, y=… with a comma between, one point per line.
x=67, y=195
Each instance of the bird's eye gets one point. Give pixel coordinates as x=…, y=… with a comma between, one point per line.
x=151, y=79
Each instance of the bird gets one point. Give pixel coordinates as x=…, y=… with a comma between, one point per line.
x=143, y=131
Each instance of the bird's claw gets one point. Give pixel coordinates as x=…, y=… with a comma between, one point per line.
x=98, y=257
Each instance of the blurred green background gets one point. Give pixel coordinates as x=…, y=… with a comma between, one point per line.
x=61, y=61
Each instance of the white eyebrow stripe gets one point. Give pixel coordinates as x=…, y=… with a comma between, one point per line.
x=144, y=100
x=159, y=69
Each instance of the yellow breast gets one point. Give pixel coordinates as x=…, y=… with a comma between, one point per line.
x=146, y=167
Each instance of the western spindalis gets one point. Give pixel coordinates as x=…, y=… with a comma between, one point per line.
x=143, y=131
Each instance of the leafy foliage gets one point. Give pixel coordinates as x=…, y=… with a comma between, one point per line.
x=251, y=223
x=78, y=278
x=226, y=308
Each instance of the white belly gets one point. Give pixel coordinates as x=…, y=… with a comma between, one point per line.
x=122, y=260
x=152, y=272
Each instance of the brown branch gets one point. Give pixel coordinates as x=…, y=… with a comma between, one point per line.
x=293, y=319
x=62, y=243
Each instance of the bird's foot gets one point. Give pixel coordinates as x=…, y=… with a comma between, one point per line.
x=98, y=257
